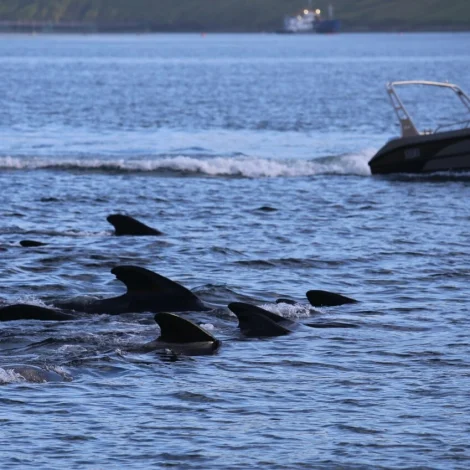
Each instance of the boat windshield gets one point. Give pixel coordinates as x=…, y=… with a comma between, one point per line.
x=434, y=104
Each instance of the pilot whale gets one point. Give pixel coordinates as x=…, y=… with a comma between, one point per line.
x=32, y=312
x=146, y=292
x=257, y=322
x=177, y=334
x=127, y=225
x=181, y=336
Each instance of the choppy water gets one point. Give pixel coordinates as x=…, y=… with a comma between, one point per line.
x=198, y=137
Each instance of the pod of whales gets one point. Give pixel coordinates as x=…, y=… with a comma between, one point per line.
x=148, y=291
x=126, y=225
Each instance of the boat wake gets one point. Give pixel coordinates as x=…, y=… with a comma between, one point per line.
x=239, y=166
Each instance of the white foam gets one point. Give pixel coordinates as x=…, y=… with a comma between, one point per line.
x=31, y=299
x=32, y=374
x=248, y=167
x=289, y=311
x=71, y=349
x=8, y=376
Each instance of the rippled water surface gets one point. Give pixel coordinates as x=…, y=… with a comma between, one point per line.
x=250, y=153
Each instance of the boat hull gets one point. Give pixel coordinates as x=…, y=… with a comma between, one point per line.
x=328, y=26
x=445, y=151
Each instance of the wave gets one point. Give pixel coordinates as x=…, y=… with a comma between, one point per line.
x=240, y=166
x=292, y=312
x=32, y=374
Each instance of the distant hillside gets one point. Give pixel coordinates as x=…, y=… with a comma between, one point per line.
x=238, y=15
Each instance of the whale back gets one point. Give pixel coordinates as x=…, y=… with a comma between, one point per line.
x=127, y=225
x=32, y=312
x=323, y=298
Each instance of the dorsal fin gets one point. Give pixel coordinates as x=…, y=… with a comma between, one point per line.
x=242, y=307
x=147, y=290
x=174, y=329
x=142, y=281
x=257, y=322
x=323, y=298
x=127, y=225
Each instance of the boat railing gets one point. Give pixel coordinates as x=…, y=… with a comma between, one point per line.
x=408, y=127
x=454, y=125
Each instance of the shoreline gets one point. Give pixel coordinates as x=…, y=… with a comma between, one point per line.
x=38, y=27
x=204, y=33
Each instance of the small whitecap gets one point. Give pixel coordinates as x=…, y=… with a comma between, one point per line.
x=289, y=311
x=8, y=376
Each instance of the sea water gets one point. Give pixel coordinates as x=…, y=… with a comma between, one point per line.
x=250, y=153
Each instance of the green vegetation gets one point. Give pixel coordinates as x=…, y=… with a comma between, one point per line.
x=239, y=15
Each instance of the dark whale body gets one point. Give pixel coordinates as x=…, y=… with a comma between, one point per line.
x=32, y=312
x=126, y=225
x=31, y=243
x=146, y=292
x=323, y=298
x=257, y=322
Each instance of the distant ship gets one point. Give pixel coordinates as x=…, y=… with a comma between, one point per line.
x=310, y=21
